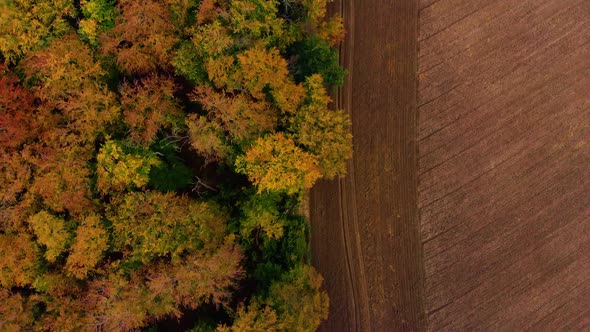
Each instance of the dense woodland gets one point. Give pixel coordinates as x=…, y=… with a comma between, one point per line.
x=153, y=159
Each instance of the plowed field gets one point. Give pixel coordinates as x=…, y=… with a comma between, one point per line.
x=365, y=229
x=467, y=204
x=504, y=166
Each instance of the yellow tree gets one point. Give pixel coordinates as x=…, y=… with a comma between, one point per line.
x=25, y=24
x=118, y=169
x=154, y=224
x=332, y=29
x=254, y=318
x=275, y=163
x=253, y=89
x=261, y=68
x=323, y=132
x=51, y=232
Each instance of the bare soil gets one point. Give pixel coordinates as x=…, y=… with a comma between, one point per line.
x=365, y=233
x=487, y=225
x=504, y=163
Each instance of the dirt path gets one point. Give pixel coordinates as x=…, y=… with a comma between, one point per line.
x=504, y=179
x=366, y=239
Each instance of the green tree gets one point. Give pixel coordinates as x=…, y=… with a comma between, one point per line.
x=256, y=19
x=261, y=213
x=315, y=56
x=187, y=62
x=298, y=299
x=172, y=174
x=295, y=303
x=99, y=16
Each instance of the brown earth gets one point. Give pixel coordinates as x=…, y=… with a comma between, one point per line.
x=365, y=233
x=501, y=180
x=504, y=175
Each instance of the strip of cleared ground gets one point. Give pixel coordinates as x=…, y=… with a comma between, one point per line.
x=365, y=238
x=504, y=163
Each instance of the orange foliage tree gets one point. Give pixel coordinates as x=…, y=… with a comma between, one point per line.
x=148, y=105
x=143, y=37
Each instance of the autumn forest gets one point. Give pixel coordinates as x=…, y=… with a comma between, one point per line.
x=154, y=157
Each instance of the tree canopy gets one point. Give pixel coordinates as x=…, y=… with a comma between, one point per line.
x=153, y=158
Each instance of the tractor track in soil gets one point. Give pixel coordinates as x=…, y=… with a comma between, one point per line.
x=365, y=228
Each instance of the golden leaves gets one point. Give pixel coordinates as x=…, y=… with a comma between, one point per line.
x=298, y=299
x=64, y=68
x=90, y=243
x=26, y=24
x=118, y=170
x=15, y=175
x=324, y=132
x=332, y=31
x=221, y=72
x=260, y=68
x=51, y=232
x=275, y=163
x=154, y=224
